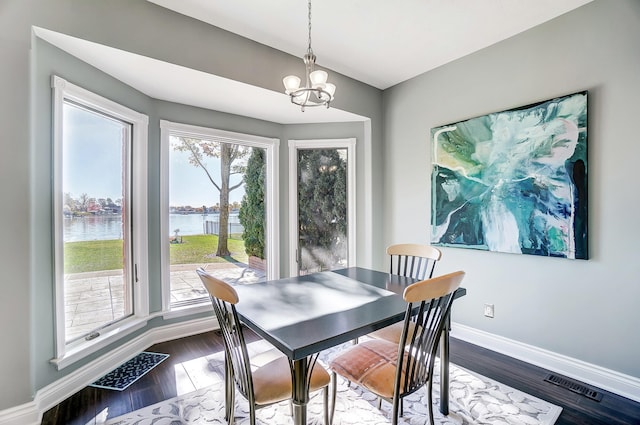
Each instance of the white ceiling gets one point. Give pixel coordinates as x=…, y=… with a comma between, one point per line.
x=379, y=42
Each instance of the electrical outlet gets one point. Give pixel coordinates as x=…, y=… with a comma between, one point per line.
x=488, y=310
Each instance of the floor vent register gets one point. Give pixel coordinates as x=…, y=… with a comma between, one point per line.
x=575, y=386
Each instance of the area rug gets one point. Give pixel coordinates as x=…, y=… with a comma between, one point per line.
x=474, y=400
x=130, y=371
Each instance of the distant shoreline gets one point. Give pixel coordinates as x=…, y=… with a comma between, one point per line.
x=92, y=227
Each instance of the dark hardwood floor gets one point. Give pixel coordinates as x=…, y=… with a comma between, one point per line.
x=577, y=409
x=170, y=378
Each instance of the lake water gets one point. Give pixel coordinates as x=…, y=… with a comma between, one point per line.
x=104, y=227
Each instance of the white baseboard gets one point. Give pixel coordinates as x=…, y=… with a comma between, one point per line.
x=54, y=393
x=24, y=414
x=606, y=379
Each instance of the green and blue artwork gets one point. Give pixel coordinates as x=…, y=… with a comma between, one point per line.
x=514, y=181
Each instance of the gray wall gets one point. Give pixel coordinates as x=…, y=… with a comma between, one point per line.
x=25, y=150
x=582, y=309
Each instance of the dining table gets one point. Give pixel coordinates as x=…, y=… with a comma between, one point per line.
x=304, y=315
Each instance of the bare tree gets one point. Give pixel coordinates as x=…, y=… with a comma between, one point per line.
x=84, y=202
x=230, y=156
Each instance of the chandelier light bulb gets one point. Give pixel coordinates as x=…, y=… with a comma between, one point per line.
x=331, y=89
x=318, y=79
x=291, y=83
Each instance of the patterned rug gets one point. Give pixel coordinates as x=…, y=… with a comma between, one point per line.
x=474, y=400
x=130, y=371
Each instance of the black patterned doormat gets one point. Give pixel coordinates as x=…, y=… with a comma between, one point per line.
x=130, y=371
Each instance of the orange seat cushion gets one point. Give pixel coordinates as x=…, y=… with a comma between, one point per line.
x=272, y=382
x=371, y=364
x=393, y=333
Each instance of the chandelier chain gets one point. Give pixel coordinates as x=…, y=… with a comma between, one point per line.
x=309, y=50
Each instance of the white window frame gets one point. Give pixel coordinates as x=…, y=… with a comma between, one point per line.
x=271, y=147
x=67, y=354
x=294, y=146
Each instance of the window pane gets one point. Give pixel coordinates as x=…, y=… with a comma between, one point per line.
x=322, y=210
x=97, y=286
x=206, y=192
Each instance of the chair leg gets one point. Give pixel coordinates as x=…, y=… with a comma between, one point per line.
x=231, y=410
x=252, y=415
x=228, y=393
x=430, y=400
x=334, y=390
x=325, y=396
x=394, y=411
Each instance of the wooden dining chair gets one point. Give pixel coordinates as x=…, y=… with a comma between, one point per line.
x=411, y=260
x=261, y=386
x=393, y=371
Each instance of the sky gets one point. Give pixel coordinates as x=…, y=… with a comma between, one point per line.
x=189, y=185
x=93, y=164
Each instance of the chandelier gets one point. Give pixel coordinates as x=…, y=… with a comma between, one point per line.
x=316, y=91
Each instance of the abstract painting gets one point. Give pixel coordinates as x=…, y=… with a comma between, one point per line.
x=514, y=181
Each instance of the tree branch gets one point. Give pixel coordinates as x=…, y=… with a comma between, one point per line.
x=196, y=158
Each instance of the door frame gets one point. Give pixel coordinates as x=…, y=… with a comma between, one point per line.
x=294, y=146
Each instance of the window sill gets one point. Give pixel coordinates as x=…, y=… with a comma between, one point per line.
x=82, y=349
x=189, y=310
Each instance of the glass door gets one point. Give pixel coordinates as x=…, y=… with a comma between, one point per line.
x=323, y=209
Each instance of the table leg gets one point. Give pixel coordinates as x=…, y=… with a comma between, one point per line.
x=300, y=380
x=444, y=368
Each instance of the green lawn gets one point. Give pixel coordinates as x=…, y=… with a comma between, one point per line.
x=91, y=256
x=202, y=249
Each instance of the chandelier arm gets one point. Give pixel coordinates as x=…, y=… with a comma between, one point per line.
x=302, y=97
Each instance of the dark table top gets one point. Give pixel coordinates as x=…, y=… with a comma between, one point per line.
x=306, y=314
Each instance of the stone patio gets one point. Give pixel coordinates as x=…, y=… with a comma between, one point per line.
x=97, y=298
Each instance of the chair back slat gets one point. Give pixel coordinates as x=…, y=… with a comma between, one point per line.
x=413, y=260
x=432, y=299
